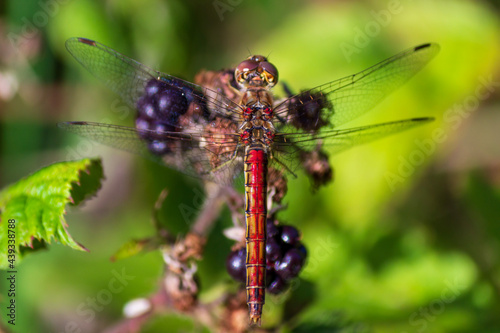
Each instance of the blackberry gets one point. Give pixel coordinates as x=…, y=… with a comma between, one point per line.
x=143, y=126
x=289, y=235
x=277, y=286
x=152, y=87
x=235, y=264
x=310, y=111
x=285, y=257
x=154, y=133
x=159, y=110
x=171, y=104
x=290, y=265
x=158, y=147
x=273, y=250
x=162, y=102
x=159, y=130
x=147, y=109
x=302, y=249
x=191, y=94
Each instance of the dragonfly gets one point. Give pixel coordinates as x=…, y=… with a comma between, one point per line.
x=222, y=128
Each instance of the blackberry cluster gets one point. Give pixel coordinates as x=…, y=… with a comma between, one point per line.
x=309, y=111
x=317, y=166
x=159, y=109
x=285, y=257
x=192, y=95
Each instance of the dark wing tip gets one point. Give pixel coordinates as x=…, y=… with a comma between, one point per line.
x=86, y=41
x=65, y=124
x=79, y=40
x=425, y=46
x=424, y=119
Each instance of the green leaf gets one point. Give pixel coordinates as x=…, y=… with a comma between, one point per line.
x=37, y=205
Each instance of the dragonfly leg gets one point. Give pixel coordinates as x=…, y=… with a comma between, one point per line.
x=231, y=160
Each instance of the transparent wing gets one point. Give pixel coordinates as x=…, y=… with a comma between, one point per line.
x=338, y=102
x=289, y=146
x=209, y=156
x=128, y=78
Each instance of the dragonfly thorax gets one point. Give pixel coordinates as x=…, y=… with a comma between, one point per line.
x=257, y=126
x=258, y=129
x=257, y=103
x=257, y=136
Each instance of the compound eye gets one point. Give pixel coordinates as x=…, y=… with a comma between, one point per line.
x=245, y=67
x=258, y=58
x=269, y=71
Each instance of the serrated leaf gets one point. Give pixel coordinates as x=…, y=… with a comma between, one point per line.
x=37, y=204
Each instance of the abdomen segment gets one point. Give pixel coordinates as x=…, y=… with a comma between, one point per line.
x=255, y=217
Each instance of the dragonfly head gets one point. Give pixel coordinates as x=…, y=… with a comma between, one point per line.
x=256, y=71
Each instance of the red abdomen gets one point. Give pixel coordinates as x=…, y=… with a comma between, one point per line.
x=255, y=169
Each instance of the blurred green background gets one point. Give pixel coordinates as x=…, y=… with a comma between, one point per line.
x=405, y=240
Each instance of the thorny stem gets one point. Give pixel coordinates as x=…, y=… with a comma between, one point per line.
x=178, y=289
x=160, y=303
